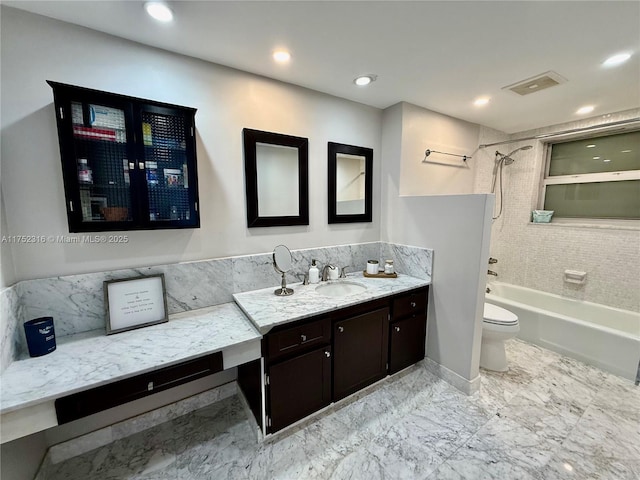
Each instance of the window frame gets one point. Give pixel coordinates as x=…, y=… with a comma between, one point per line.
x=617, y=176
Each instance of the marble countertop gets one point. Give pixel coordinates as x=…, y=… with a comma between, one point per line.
x=267, y=310
x=92, y=359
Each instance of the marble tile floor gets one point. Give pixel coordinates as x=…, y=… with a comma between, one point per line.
x=549, y=417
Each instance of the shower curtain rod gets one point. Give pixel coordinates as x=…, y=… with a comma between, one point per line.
x=565, y=132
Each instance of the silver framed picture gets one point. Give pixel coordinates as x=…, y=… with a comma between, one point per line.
x=135, y=303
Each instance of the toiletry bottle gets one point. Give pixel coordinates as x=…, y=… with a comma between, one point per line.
x=314, y=273
x=388, y=267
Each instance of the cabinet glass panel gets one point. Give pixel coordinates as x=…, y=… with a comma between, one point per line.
x=165, y=162
x=100, y=149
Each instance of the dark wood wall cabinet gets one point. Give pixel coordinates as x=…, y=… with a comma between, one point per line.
x=127, y=163
x=313, y=362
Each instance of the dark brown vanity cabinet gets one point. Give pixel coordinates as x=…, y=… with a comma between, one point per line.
x=360, y=351
x=408, y=330
x=298, y=372
x=98, y=399
x=298, y=387
x=310, y=363
x=127, y=163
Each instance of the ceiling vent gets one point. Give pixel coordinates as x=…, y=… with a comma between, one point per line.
x=537, y=83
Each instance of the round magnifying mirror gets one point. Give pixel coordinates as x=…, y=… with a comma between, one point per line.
x=282, y=263
x=282, y=259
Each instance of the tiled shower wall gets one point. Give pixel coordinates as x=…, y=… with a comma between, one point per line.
x=536, y=255
x=76, y=302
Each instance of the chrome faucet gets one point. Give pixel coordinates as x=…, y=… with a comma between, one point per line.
x=343, y=272
x=491, y=272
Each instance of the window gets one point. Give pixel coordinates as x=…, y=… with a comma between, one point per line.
x=597, y=177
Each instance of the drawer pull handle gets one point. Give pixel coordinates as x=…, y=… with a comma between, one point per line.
x=341, y=329
x=397, y=329
x=327, y=354
x=303, y=337
x=150, y=386
x=413, y=304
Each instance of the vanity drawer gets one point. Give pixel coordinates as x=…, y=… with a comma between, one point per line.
x=297, y=339
x=101, y=398
x=413, y=303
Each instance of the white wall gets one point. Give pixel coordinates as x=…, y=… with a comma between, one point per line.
x=536, y=255
x=457, y=227
x=442, y=174
x=35, y=49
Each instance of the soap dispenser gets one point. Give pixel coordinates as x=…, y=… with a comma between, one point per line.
x=314, y=272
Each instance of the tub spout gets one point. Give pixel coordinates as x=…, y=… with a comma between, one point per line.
x=491, y=272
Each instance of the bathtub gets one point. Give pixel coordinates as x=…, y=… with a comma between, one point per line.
x=606, y=337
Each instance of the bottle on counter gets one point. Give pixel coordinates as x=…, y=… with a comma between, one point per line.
x=388, y=267
x=314, y=272
x=85, y=175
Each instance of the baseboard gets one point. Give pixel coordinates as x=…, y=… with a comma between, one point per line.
x=468, y=387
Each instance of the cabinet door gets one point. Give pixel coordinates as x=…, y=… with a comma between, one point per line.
x=360, y=351
x=407, y=342
x=167, y=167
x=95, y=140
x=299, y=387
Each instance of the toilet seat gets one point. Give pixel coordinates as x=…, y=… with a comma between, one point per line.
x=496, y=315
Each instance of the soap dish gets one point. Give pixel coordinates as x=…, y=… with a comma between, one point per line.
x=380, y=274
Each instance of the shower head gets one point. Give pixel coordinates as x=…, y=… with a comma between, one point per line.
x=507, y=158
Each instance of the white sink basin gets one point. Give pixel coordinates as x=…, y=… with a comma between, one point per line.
x=340, y=289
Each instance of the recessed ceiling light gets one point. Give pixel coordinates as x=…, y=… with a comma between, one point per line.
x=585, y=110
x=606, y=160
x=363, y=80
x=625, y=151
x=591, y=145
x=616, y=60
x=596, y=158
x=159, y=11
x=281, y=56
x=481, y=102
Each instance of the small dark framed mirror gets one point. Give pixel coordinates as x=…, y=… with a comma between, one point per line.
x=350, y=183
x=276, y=170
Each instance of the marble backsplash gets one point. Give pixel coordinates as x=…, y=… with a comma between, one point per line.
x=76, y=302
x=10, y=315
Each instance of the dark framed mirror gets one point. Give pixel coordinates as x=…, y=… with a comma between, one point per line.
x=276, y=170
x=350, y=183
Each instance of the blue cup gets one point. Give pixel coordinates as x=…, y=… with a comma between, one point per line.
x=41, y=337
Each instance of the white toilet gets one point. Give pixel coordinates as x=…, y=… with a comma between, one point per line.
x=498, y=325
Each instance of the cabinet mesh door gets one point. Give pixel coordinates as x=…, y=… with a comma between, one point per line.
x=165, y=157
x=100, y=148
